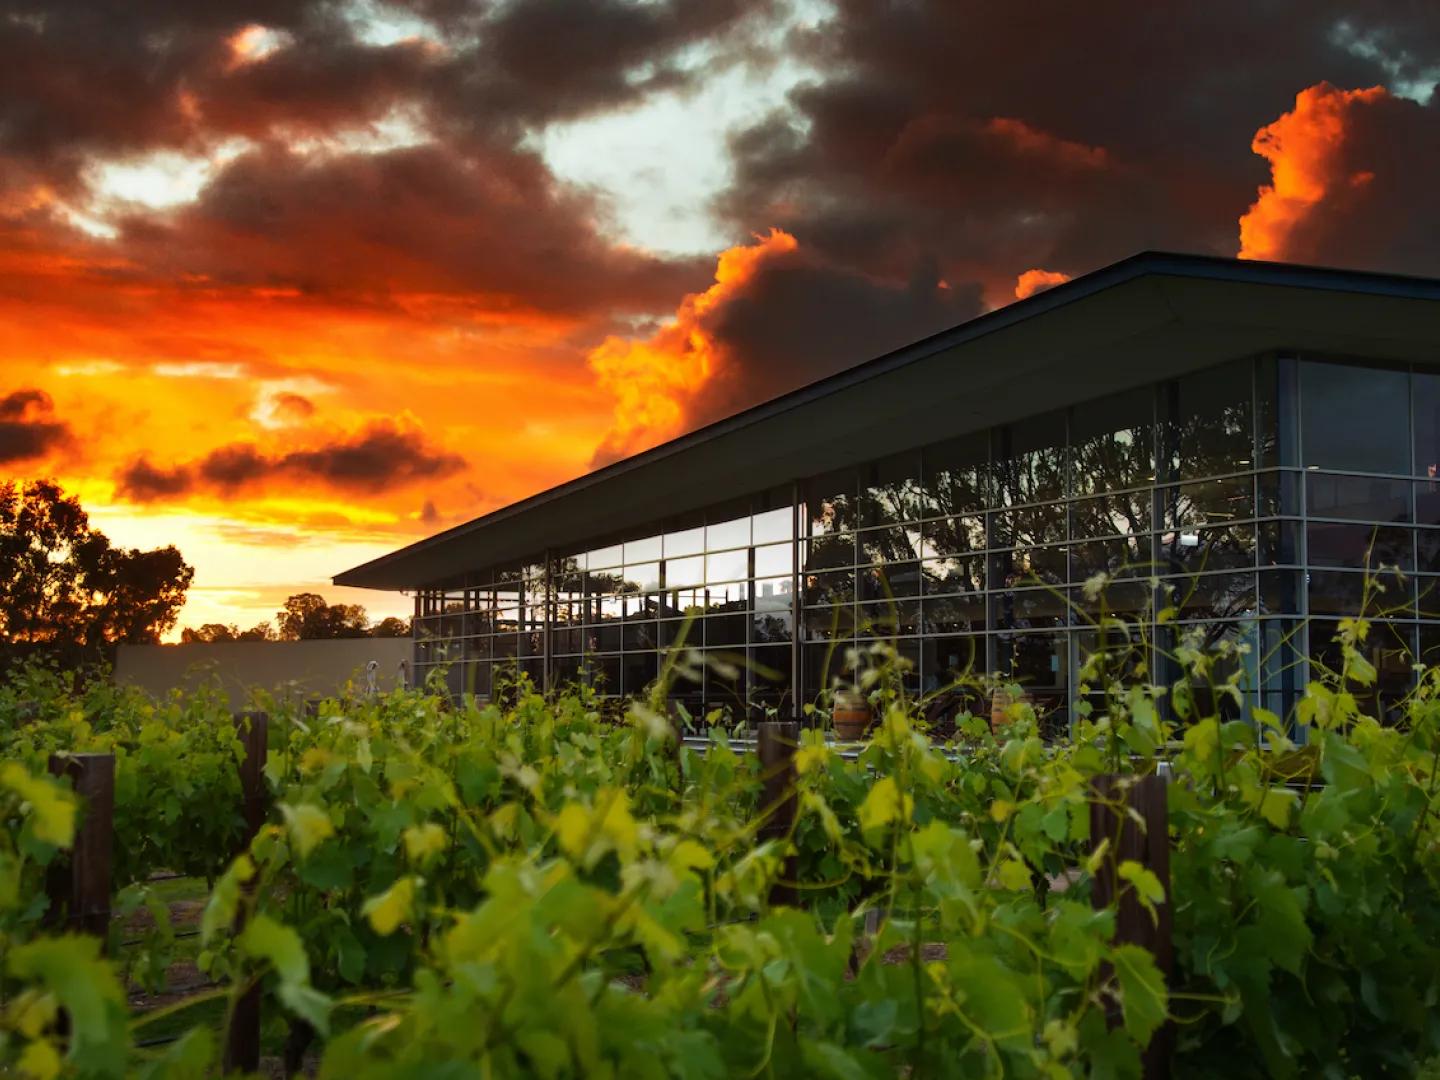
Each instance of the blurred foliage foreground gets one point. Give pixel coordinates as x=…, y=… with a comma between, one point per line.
x=546, y=890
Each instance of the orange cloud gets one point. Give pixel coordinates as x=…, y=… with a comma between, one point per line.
x=1036, y=281
x=654, y=380
x=1305, y=148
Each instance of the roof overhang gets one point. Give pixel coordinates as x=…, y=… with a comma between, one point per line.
x=1150, y=317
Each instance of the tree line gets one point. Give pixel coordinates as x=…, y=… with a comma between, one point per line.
x=305, y=617
x=67, y=591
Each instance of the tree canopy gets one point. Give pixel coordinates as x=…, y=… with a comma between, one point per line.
x=64, y=584
x=305, y=617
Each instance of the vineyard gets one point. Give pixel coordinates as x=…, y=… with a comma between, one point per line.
x=414, y=887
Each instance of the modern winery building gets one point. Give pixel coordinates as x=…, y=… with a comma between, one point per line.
x=1232, y=441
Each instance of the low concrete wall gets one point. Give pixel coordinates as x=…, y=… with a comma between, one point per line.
x=300, y=668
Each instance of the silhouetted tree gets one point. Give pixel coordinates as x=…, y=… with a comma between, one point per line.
x=307, y=616
x=64, y=585
x=209, y=633
x=391, y=626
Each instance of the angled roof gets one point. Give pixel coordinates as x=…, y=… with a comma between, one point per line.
x=1152, y=316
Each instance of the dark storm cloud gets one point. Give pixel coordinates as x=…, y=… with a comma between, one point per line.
x=28, y=427
x=484, y=225
x=474, y=211
x=1371, y=192
x=1000, y=138
x=380, y=458
x=797, y=320
x=113, y=78
x=543, y=60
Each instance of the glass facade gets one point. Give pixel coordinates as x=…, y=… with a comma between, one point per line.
x=1248, y=498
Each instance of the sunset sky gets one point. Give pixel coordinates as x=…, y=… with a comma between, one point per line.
x=290, y=283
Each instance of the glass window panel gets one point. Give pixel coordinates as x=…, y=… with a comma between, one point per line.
x=824, y=552
x=953, y=535
x=476, y=648
x=1428, y=593
x=680, y=633
x=895, y=544
x=1425, y=389
x=1029, y=566
x=505, y=645
x=890, y=491
x=1040, y=663
x=1130, y=600
x=830, y=503
x=1112, y=442
x=830, y=587
x=1390, y=651
x=565, y=642
x=1280, y=592
x=1030, y=465
x=639, y=635
x=770, y=673
x=774, y=559
x=1357, y=498
x=725, y=630
x=1279, y=493
x=1427, y=543
x=956, y=476
x=684, y=542
x=605, y=674
x=958, y=573
x=777, y=524
x=1354, y=418
x=771, y=625
x=727, y=566
x=644, y=577
x=532, y=643
x=1236, y=667
x=566, y=671
x=477, y=677
x=603, y=558
x=827, y=624
x=682, y=572
x=1211, y=596
x=888, y=619
x=883, y=582
x=772, y=594
x=1031, y=525
x=1029, y=609
x=603, y=639
x=1335, y=592
x=604, y=582
x=1210, y=503
x=1279, y=543
x=643, y=551
x=678, y=602
x=1228, y=547
x=951, y=660
x=1208, y=428
x=825, y=666
x=726, y=598
x=1117, y=557
x=954, y=614
x=732, y=533
x=1112, y=515
x=726, y=680
x=1427, y=502
x=1329, y=544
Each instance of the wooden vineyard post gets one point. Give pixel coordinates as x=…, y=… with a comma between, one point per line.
x=776, y=746
x=79, y=888
x=1149, y=845
x=242, y=1040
